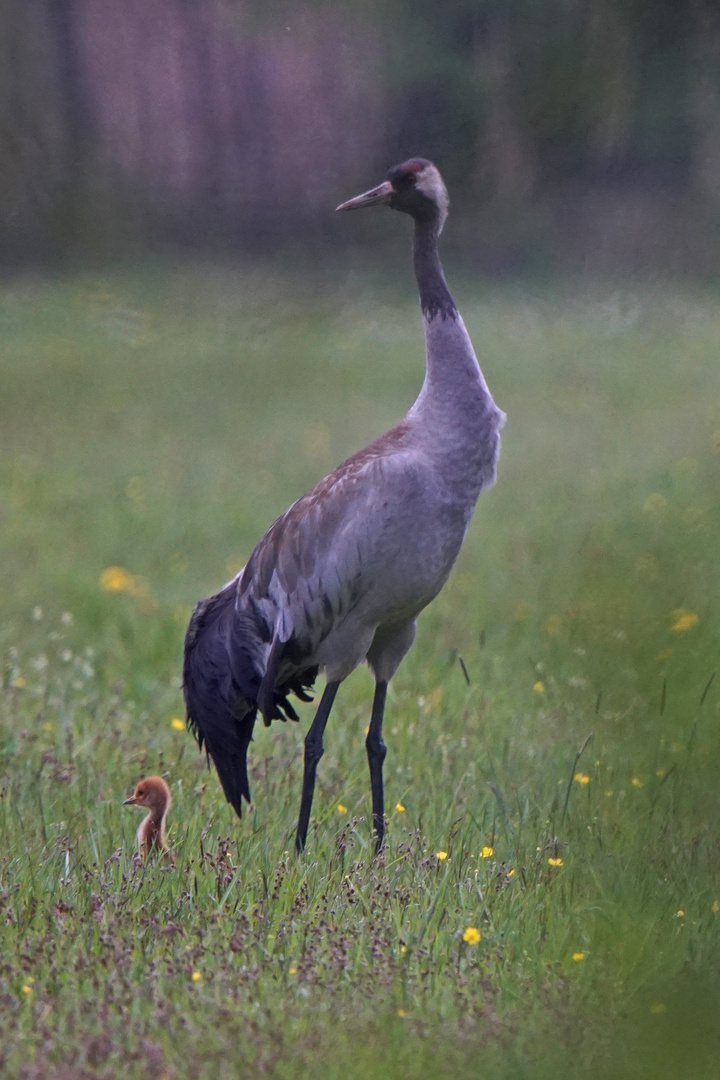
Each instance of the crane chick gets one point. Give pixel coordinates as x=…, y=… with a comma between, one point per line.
x=154, y=793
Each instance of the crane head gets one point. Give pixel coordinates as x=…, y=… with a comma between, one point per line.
x=152, y=792
x=415, y=187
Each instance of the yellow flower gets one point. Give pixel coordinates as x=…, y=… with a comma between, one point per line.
x=636, y=781
x=400, y=808
x=19, y=682
x=555, y=862
x=582, y=778
x=511, y=873
x=401, y=1012
x=27, y=989
x=684, y=621
x=341, y=809
x=487, y=852
x=715, y=906
x=177, y=723
x=539, y=688
x=441, y=855
x=117, y=579
x=472, y=935
x=196, y=976
x=657, y=1008
x=655, y=504
x=680, y=914
x=660, y=773
x=292, y=971
x=578, y=956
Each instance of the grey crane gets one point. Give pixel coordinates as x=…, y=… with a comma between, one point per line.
x=341, y=577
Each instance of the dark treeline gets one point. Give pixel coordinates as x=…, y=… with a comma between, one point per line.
x=587, y=128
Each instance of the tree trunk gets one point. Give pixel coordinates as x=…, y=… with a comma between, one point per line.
x=613, y=57
x=77, y=120
x=505, y=164
x=705, y=100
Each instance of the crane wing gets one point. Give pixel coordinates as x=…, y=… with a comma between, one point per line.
x=317, y=561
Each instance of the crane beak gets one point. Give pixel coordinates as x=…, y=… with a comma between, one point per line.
x=130, y=802
x=378, y=196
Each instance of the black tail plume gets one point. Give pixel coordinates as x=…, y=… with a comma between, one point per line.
x=224, y=685
x=221, y=683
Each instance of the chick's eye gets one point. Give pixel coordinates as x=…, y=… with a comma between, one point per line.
x=140, y=791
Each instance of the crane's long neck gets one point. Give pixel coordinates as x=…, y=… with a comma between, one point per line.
x=454, y=384
x=435, y=297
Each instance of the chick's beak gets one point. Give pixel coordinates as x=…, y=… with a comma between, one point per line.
x=131, y=801
x=377, y=196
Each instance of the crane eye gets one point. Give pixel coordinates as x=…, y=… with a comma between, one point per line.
x=401, y=179
x=140, y=791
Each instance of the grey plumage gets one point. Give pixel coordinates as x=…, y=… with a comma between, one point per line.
x=340, y=578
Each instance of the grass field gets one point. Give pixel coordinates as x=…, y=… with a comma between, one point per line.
x=156, y=421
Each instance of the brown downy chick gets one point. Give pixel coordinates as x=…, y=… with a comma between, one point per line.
x=154, y=793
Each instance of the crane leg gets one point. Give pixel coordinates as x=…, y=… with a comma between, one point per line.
x=313, y=752
x=376, y=751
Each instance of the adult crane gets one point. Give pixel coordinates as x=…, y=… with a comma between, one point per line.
x=341, y=577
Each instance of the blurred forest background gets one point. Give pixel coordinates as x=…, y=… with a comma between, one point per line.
x=189, y=338
x=573, y=133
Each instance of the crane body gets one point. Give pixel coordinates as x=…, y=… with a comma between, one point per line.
x=341, y=577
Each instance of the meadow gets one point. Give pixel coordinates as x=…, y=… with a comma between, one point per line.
x=549, y=897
